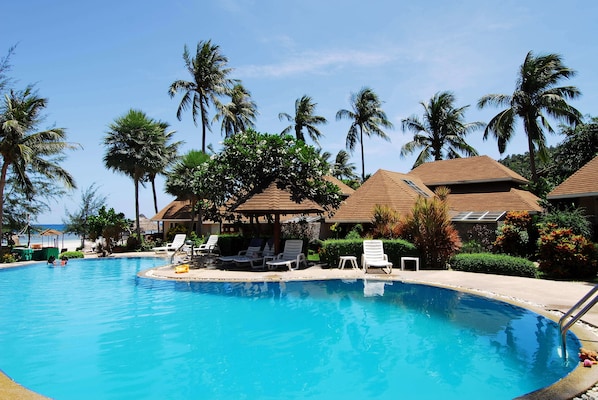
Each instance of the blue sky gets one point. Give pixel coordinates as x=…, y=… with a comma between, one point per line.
x=96, y=60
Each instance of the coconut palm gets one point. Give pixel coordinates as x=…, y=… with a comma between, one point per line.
x=238, y=114
x=536, y=96
x=304, y=118
x=24, y=152
x=342, y=168
x=132, y=148
x=441, y=133
x=368, y=118
x=209, y=80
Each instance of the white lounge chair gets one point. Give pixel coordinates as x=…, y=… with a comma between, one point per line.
x=177, y=242
x=374, y=257
x=291, y=257
x=208, y=248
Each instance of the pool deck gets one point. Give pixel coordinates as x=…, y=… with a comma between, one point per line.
x=549, y=298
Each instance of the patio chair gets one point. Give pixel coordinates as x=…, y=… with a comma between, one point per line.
x=374, y=257
x=177, y=242
x=291, y=257
x=208, y=248
x=254, y=249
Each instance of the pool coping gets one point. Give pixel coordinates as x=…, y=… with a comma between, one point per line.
x=538, y=297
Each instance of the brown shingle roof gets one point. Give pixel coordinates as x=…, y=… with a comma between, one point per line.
x=582, y=183
x=383, y=188
x=346, y=190
x=275, y=200
x=176, y=210
x=465, y=170
x=512, y=200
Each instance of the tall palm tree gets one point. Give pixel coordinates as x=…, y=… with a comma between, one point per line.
x=166, y=154
x=238, y=114
x=342, y=168
x=441, y=133
x=131, y=149
x=24, y=152
x=304, y=118
x=536, y=96
x=209, y=80
x=368, y=118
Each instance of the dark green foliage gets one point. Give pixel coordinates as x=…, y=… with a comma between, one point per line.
x=571, y=218
x=331, y=250
x=499, y=264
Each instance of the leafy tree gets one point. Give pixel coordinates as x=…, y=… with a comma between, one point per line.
x=251, y=161
x=133, y=143
x=186, y=182
x=579, y=148
x=239, y=114
x=107, y=224
x=305, y=118
x=78, y=221
x=208, y=81
x=368, y=118
x=536, y=96
x=441, y=133
x=25, y=153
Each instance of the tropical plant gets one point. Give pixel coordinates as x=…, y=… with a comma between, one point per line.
x=385, y=222
x=27, y=155
x=368, y=118
x=515, y=237
x=133, y=143
x=209, y=79
x=239, y=114
x=304, y=119
x=77, y=222
x=429, y=227
x=536, y=97
x=570, y=218
x=342, y=168
x=186, y=182
x=563, y=254
x=109, y=224
x=579, y=148
x=441, y=133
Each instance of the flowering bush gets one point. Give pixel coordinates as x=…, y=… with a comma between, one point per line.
x=563, y=254
x=513, y=236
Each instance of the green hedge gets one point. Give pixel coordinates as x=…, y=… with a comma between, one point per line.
x=499, y=264
x=72, y=254
x=332, y=249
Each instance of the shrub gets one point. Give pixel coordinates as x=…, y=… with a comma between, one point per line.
x=429, y=227
x=479, y=239
x=499, y=264
x=573, y=218
x=513, y=236
x=331, y=250
x=72, y=254
x=385, y=222
x=563, y=254
x=8, y=258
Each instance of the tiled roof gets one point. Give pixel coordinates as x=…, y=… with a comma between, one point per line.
x=176, y=210
x=382, y=188
x=582, y=183
x=465, y=170
x=346, y=190
x=275, y=200
x=513, y=200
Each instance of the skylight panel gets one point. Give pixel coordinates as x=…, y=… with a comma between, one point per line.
x=417, y=189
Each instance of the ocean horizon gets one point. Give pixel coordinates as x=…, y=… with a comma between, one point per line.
x=65, y=240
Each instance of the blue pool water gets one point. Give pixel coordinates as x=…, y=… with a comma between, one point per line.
x=94, y=330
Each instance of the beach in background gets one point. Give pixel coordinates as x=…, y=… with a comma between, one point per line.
x=67, y=241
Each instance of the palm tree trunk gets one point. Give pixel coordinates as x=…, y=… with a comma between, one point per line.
x=532, y=159
x=2, y=185
x=155, y=201
x=362, y=156
x=137, y=226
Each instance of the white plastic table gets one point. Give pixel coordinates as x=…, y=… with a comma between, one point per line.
x=343, y=260
x=403, y=259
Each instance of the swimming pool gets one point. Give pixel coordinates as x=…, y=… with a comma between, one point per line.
x=94, y=330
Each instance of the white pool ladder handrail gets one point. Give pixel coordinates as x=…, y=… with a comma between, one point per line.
x=564, y=327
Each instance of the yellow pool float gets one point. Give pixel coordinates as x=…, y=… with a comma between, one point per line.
x=179, y=269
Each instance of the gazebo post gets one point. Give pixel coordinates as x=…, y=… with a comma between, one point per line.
x=277, y=233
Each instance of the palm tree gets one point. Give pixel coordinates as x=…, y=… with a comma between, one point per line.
x=239, y=114
x=165, y=155
x=182, y=183
x=342, y=168
x=536, y=96
x=368, y=118
x=24, y=152
x=131, y=148
x=304, y=118
x=209, y=80
x=441, y=133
